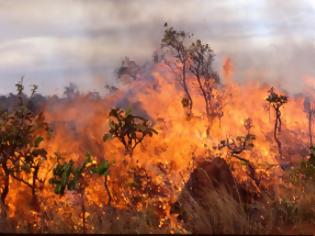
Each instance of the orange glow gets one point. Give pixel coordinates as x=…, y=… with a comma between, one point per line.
x=80, y=125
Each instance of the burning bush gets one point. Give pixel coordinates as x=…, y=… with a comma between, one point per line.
x=20, y=138
x=129, y=129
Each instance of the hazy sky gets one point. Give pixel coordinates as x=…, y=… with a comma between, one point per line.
x=54, y=42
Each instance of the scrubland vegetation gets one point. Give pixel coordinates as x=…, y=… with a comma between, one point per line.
x=178, y=148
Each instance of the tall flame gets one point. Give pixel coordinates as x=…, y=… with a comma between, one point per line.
x=80, y=124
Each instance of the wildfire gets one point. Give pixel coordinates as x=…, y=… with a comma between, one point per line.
x=166, y=159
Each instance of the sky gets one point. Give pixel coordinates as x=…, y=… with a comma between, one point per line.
x=53, y=43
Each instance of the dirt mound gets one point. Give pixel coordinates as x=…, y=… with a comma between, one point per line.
x=211, y=201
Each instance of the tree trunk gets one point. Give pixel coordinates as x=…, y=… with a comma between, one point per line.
x=5, y=189
x=204, y=96
x=276, y=131
x=310, y=128
x=107, y=190
x=35, y=203
x=190, y=102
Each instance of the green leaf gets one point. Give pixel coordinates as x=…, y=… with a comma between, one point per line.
x=58, y=170
x=59, y=189
x=102, y=169
x=66, y=173
x=38, y=140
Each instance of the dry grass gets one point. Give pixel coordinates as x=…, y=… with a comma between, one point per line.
x=217, y=213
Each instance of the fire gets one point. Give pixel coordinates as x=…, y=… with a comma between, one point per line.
x=80, y=124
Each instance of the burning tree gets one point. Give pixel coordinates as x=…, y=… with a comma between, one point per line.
x=277, y=101
x=197, y=59
x=201, y=58
x=128, y=68
x=240, y=144
x=67, y=176
x=175, y=41
x=310, y=111
x=20, y=153
x=129, y=129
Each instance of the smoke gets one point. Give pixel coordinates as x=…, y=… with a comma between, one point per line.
x=84, y=41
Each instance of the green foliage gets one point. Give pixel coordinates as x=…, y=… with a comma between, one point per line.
x=129, y=129
x=102, y=169
x=21, y=133
x=38, y=140
x=61, y=177
x=68, y=176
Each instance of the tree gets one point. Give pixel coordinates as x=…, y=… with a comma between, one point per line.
x=74, y=178
x=277, y=101
x=71, y=91
x=128, y=68
x=201, y=58
x=129, y=129
x=310, y=111
x=20, y=153
x=240, y=144
x=175, y=41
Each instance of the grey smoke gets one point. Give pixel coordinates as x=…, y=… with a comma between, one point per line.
x=55, y=42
